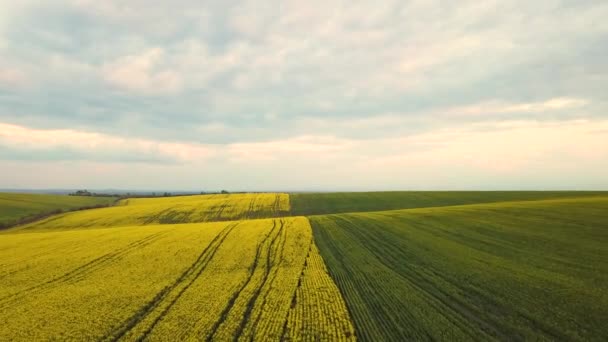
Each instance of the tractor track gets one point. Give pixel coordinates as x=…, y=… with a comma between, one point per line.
x=237, y=294
x=194, y=271
x=82, y=271
x=275, y=266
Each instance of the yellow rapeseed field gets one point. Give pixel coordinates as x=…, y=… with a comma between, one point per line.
x=318, y=312
x=170, y=210
x=233, y=280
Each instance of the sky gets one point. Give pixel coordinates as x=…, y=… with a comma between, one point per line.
x=304, y=95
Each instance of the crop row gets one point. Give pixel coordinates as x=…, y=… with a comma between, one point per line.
x=511, y=271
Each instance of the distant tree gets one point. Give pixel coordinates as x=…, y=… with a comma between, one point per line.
x=81, y=193
x=224, y=192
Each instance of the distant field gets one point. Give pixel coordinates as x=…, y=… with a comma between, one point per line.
x=347, y=202
x=258, y=279
x=15, y=207
x=506, y=271
x=171, y=210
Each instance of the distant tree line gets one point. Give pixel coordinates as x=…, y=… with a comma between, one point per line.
x=142, y=195
x=92, y=194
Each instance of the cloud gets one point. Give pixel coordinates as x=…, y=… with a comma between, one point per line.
x=12, y=78
x=329, y=82
x=516, y=153
x=505, y=147
x=319, y=147
x=497, y=107
x=139, y=73
x=22, y=143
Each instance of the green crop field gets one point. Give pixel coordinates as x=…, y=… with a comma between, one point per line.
x=16, y=207
x=347, y=202
x=535, y=270
x=444, y=266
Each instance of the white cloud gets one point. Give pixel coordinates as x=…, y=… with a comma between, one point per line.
x=510, y=146
x=501, y=107
x=142, y=73
x=512, y=151
x=307, y=147
x=94, y=146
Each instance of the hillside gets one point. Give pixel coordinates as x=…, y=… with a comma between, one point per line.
x=16, y=207
x=172, y=210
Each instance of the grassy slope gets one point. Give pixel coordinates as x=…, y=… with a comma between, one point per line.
x=346, y=202
x=201, y=281
x=171, y=210
x=509, y=271
x=15, y=207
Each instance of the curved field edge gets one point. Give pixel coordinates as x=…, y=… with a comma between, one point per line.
x=349, y=202
x=18, y=208
x=506, y=271
x=238, y=280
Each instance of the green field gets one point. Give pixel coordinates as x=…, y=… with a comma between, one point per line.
x=16, y=207
x=448, y=266
x=348, y=202
x=507, y=271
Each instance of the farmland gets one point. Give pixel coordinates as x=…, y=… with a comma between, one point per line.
x=18, y=207
x=169, y=282
x=532, y=270
x=171, y=210
x=445, y=266
x=346, y=202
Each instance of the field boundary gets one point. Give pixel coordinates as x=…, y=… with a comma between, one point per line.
x=41, y=216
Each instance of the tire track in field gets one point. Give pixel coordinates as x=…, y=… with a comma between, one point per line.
x=193, y=271
x=14, y=271
x=453, y=309
x=150, y=219
x=220, y=211
x=463, y=307
x=107, y=259
x=281, y=246
x=59, y=247
x=457, y=308
x=271, y=265
x=82, y=271
x=277, y=205
x=251, y=210
x=370, y=242
x=228, y=308
x=176, y=216
x=295, y=292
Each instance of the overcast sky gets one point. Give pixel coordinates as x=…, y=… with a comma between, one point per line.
x=304, y=95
